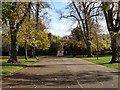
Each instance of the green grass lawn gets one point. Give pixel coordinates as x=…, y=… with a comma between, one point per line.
x=8, y=68
x=103, y=60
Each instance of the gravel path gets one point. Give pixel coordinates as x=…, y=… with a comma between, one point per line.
x=63, y=72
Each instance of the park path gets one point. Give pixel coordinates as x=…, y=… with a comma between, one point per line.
x=63, y=72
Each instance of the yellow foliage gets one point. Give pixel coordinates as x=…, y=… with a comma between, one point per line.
x=36, y=38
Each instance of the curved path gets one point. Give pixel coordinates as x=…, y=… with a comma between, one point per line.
x=63, y=72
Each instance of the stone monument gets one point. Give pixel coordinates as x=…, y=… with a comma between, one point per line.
x=60, y=51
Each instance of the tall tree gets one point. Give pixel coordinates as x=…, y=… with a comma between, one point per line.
x=111, y=12
x=30, y=37
x=84, y=13
x=15, y=13
x=39, y=22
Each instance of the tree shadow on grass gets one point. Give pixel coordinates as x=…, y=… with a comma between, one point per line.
x=108, y=63
x=56, y=79
x=29, y=61
x=15, y=64
x=104, y=63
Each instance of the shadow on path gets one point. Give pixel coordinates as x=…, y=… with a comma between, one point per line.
x=47, y=65
x=55, y=79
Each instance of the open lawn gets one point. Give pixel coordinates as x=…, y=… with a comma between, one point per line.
x=8, y=68
x=103, y=60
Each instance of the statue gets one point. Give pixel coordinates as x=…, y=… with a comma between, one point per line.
x=60, y=51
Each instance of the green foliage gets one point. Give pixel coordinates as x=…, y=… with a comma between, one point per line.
x=78, y=38
x=13, y=11
x=76, y=34
x=106, y=5
x=72, y=46
x=54, y=42
x=53, y=38
x=103, y=41
x=7, y=10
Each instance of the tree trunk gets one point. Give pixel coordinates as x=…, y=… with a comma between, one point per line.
x=26, y=51
x=89, y=48
x=32, y=52
x=37, y=52
x=114, y=49
x=113, y=26
x=13, y=51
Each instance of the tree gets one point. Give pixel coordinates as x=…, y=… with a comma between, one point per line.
x=31, y=37
x=76, y=34
x=15, y=13
x=102, y=42
x=84, y=13
x=54, y=43
x=40, y=27
x=111, y=12
x=98, y=42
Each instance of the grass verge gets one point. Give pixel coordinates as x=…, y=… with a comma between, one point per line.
x=9, y=68
x=103, y=60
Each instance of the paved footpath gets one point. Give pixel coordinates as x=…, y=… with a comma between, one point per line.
x=63, y=72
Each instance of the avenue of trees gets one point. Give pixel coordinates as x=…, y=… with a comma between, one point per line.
x=25, y=24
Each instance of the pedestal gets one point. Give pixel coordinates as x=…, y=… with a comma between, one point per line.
x=60, y=53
